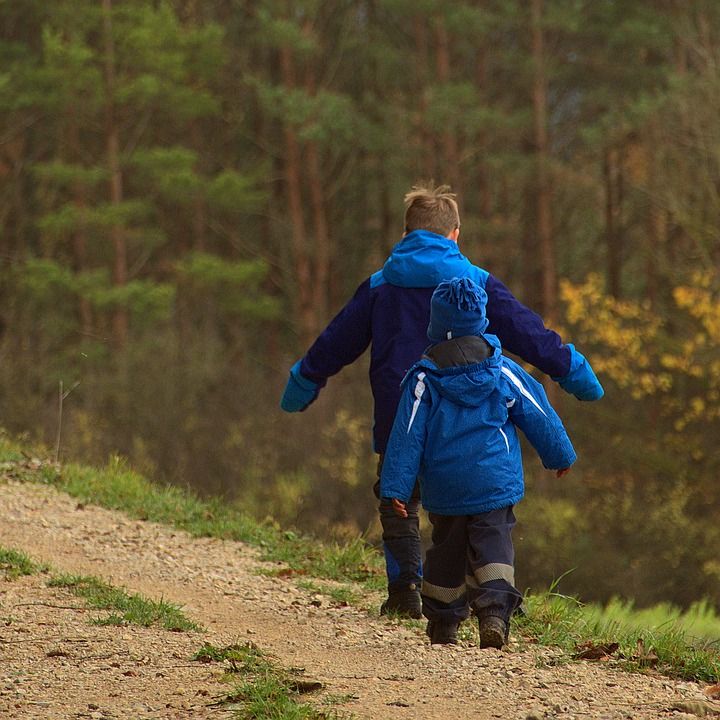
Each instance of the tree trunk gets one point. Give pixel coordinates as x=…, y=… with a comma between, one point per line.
x=543, y=198
x=450, y=160
x=427, y=152
x=483, y=186
x=17, y=219
x=199, y=210
x=117, y=233
x=321, y=255
x=655, y=241
x=544, y=191
x=79, y=240
x=612, y=174
x=298, y=237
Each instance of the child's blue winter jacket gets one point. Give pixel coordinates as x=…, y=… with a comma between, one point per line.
x=391, y=310
x=455, y=430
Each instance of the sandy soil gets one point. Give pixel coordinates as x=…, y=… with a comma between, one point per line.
x=55, y=664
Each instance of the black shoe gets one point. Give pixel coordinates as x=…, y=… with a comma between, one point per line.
x=403, y=602
x=442, y=633
x=493, y=631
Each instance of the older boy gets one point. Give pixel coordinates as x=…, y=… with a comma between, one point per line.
x=390, y=311
x=455, y=432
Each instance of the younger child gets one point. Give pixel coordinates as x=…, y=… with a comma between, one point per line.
x=455, y=432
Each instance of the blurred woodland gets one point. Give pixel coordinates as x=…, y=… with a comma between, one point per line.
x=189, y=190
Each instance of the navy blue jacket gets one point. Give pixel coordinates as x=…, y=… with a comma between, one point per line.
x=391, y=310
x=455, y=432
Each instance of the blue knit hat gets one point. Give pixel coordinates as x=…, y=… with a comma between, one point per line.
x=457, y=308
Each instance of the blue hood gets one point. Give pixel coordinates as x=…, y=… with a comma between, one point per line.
x=467, y=385
x=424, y=259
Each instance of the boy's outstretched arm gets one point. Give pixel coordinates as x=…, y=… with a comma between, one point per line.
x=341, y=343
x=523, y=332
x=529, y=409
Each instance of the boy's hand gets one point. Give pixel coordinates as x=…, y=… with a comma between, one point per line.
x=399, y=508
x=299, y=391
x=581, y=380
x=560, y=473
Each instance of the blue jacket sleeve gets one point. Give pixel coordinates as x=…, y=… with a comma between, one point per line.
x=529, y=409
x=343, y=340
x=522, y=332
x=404, y=453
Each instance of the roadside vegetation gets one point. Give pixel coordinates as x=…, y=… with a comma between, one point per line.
x=682, y=644
x=124, y=608
x=662, y=638
x=118, y=487
x=14, y=564
x=257, y=688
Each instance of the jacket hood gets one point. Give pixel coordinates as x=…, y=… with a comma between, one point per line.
x=425, y=259
x=466, y=385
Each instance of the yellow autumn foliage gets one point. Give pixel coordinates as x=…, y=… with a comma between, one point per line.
x=623, y=333
x=635, y=348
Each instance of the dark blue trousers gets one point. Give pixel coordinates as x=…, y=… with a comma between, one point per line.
x=401, y=542
x=470, y=566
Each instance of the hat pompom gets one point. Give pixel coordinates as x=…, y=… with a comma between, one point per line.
x=461, y=293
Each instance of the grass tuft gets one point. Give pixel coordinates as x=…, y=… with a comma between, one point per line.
x=564, y=622
x=14, y=564
x=126, y=609
x=240, y=658
x=262, y=690
x=339, y=594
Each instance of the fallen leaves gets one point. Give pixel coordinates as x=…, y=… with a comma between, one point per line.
x=645, y=657
x=589, y=650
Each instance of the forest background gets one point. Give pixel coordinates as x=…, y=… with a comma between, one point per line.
x=190, y=189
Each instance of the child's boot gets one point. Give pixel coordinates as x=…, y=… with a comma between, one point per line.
x=403, y=602
x=442, y=633
x=493, y=631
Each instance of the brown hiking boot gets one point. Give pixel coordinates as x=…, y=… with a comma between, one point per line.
x=406, y=603
x=493, y=631
x=442, y=633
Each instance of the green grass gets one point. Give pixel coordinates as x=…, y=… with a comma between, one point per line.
x=241, y=658
x=556, y=620
x=125, y=608
x=14, y=564
x=118, y=487
x=700, y=621
x=339, y=594
x=259, y=690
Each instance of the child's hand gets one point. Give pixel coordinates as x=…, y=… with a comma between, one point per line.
x=560, y=473
x=399, y=508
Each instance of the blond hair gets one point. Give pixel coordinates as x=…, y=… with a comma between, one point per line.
x=434, y=210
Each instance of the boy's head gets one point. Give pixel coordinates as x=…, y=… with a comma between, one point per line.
x=433, y=210
x=457, y=309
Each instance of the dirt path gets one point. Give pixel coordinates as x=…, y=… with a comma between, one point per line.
x=54, y=665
